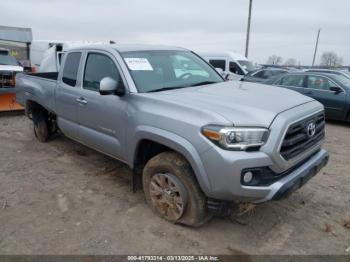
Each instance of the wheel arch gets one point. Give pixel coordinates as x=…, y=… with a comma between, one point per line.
x=32, y=106
x=163, y=140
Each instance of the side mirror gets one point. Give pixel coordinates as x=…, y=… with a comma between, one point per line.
x=336, y=90
x=109, y=86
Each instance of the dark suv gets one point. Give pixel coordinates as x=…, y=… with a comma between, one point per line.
x=330, y=89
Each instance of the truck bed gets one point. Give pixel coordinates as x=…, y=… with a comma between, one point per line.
x=48, y=75
x=37, y=87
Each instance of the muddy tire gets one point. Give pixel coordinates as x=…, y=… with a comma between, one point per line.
x=41, y=126
x=172, y=190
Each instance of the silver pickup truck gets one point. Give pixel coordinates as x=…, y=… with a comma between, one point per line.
x=195, y=141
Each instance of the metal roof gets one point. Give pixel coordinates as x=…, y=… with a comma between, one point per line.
x=129, y=48
x=16, y=34
x=144, y=47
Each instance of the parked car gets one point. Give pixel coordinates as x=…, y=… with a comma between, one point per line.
x=233, y=65
x=330, y=71
x=197, y=142
x=332, y=90
x=263, y=74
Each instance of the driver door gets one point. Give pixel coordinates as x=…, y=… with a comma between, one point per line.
x=102, y=118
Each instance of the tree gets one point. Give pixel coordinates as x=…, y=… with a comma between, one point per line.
x=274, y=60
x=331, y=59
x=291, y=62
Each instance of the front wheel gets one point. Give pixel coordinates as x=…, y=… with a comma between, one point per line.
x=172, y=190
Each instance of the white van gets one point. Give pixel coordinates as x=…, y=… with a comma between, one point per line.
x=229, y=62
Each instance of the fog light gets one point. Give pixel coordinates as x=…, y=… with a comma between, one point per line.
x=247, y=177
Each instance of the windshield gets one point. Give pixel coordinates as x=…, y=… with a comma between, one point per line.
x=343, y=80
x=8, y=60
x=163, y=70
x=347, y=73
x=247, y=65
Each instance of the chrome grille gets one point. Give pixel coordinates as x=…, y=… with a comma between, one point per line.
x=299, y=139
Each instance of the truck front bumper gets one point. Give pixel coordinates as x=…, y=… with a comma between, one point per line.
x=299, y=177
x=226, y=174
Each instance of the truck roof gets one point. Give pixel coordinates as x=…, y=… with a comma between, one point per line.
x=129, y=48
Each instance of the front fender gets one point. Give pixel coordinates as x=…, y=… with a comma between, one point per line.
x=175, y=142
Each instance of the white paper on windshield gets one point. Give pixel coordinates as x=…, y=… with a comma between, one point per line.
x=141, y=64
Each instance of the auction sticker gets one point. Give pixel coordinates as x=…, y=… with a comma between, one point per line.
x=141, y=64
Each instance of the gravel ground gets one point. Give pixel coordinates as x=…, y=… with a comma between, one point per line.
x=63, y=198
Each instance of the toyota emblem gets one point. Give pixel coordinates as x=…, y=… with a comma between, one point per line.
x=311, y=129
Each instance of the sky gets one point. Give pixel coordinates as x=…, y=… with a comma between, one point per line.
x=287, y=28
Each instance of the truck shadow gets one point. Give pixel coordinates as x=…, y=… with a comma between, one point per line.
x=94, y=162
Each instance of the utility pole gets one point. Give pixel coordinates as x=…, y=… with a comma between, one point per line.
x=248, y=28
x=316, y=46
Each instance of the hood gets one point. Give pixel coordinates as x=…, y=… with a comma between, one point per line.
x=243, y=104
x=11, y=68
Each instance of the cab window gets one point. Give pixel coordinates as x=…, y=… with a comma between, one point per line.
x=97, y=67
x=70, y=70
x=218, y=63
x=292, y=80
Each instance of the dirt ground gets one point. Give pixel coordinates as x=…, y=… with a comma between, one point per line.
x=63, y=198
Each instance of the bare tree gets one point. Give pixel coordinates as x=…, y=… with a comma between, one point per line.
x=274, y=60
x=331, y=59
x=291, y=62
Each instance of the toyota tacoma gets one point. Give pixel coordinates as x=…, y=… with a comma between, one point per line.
x=194, y=140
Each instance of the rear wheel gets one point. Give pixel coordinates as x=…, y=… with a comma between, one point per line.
x=42, y=128
x=172, y=190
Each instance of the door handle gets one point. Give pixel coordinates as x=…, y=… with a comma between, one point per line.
x=81, y=101
x=308, y=93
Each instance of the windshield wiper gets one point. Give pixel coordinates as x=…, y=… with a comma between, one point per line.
x=165, y=89
x=178, y=87
x=204, y=83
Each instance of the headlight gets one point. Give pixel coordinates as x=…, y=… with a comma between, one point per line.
x=236, y=138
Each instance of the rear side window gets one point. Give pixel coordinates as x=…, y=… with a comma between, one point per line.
x=218, y=64
x=70, y=70
x=265, y=74
x=292, y=80
x=97, y=67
